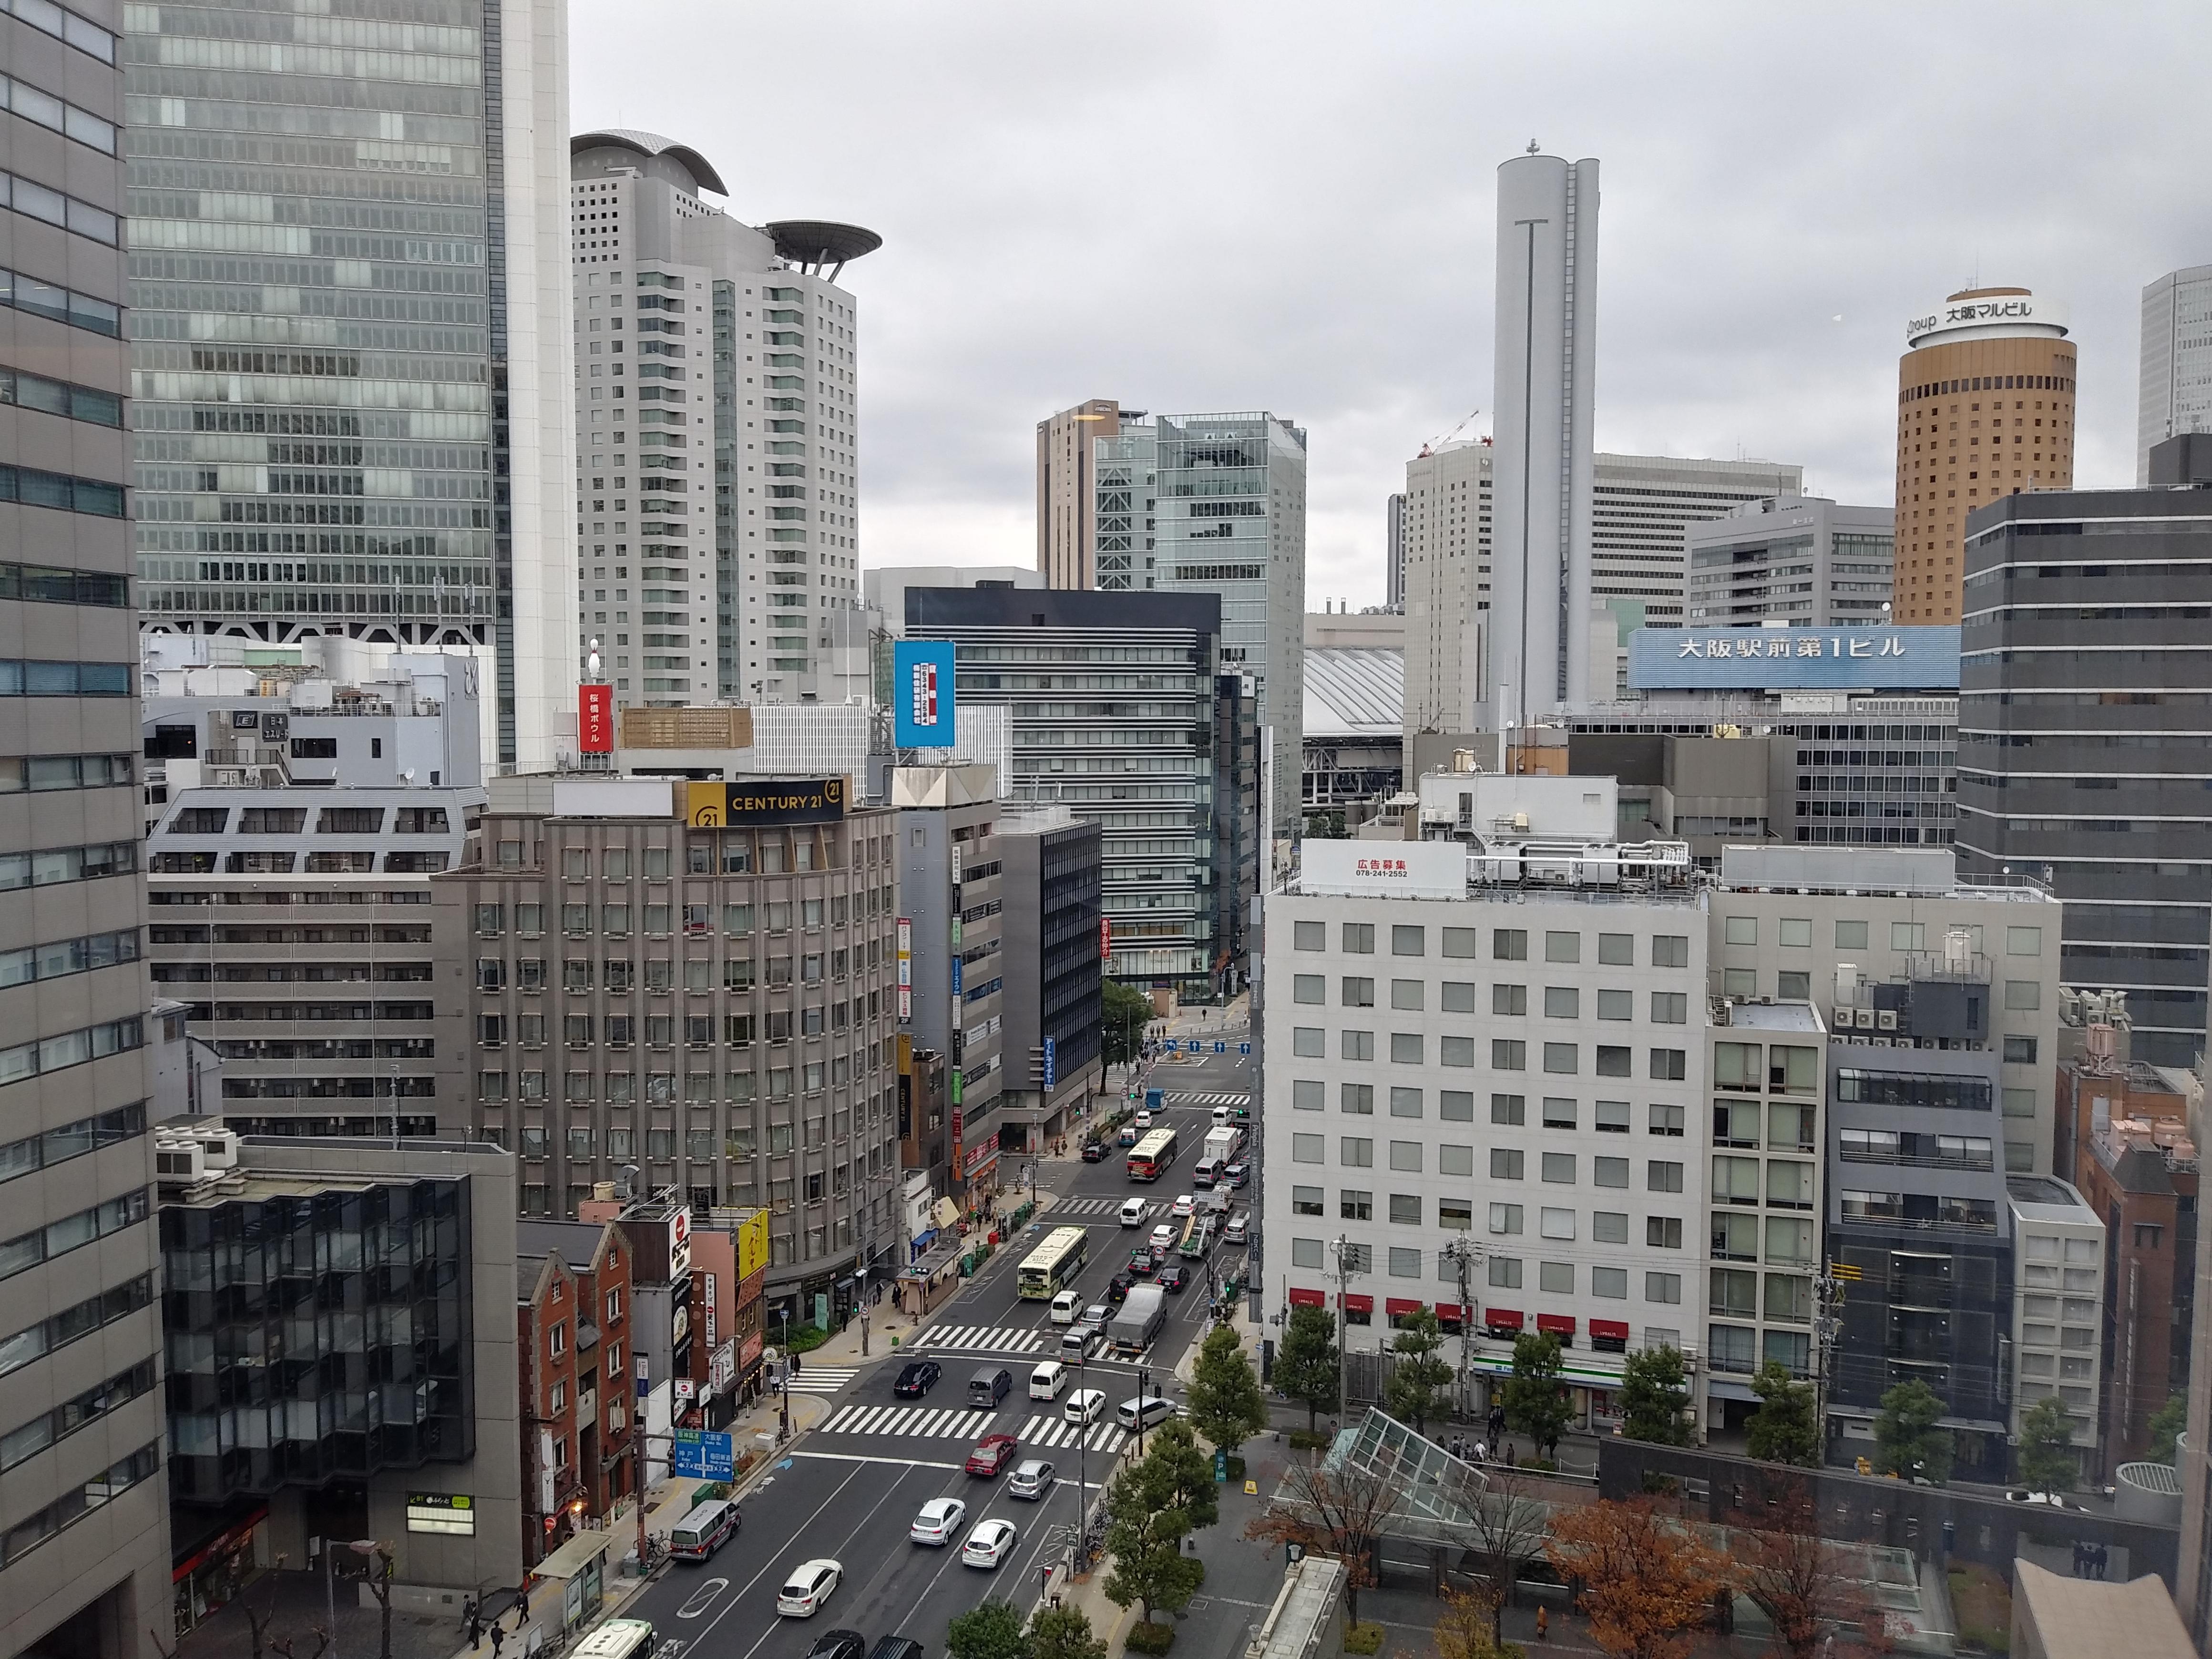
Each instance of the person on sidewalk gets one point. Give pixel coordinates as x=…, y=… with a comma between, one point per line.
x=1543, y=1623
x=498, y=1636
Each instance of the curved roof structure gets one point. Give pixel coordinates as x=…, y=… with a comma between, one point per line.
x=650, y=144
x=1354, y=693
x=821, y=241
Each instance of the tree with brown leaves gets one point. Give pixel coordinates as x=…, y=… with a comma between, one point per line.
x=1799, y=1579
x=1506, y=1532
x=1333, y=1512
x=1467, y=1629
x=1647, y=1582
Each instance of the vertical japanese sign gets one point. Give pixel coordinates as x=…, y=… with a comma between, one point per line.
x=595, y=719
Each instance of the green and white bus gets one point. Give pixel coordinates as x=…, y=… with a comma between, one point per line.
x=1054, y=1264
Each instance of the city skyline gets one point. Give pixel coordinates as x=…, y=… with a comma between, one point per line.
x=1728, y=255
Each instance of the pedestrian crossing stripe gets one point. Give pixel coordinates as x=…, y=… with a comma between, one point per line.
x=824, y=1379
x=991, y=1338
x=1208, y=1100
x=940, y=1423
x=1086, y=1206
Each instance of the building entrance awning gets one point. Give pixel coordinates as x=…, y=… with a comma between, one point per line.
x=572, y=1556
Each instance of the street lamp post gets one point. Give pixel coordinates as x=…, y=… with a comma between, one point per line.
x=784, y=1434
x=860, y=1291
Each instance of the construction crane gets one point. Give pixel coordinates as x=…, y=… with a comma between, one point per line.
x=1434, y=444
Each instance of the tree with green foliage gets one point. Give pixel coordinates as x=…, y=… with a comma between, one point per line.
x=1655, y=1392
x=2169, y=1420
x=1785, y=1429
x=1123, y=1018
x=2047, y=1463
x=1225, y=1402
x=1064, y=1632
x=1907, y=1442
x=1420, y=1382
x=1145, y=1527
x=1536, y=1402
x=1308, y=1366
x=1182, y=1474
x=990, y=1630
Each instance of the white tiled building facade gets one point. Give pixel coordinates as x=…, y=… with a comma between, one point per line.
x=1517, y=1071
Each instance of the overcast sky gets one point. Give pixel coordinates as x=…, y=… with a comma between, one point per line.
x=1204, y=205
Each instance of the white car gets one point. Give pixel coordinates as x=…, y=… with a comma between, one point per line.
x=808, y=1588
x=1144, y=1119
x=1163, y=1237
x=939, y=1519
x=988, y=1544
x=1183, y=1206
x=1084, y=1406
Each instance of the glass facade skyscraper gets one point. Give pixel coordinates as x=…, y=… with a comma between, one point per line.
x=349, y=337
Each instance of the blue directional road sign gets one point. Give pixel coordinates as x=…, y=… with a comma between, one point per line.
x=703, y=1454
x=1220, y=1048
x=1244, y=1048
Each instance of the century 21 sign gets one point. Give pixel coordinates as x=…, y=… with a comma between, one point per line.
x=765, y=801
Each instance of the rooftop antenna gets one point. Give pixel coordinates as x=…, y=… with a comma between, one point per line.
x=1532, y=146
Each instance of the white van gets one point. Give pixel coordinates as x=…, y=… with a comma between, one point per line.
x=1066, y=1306
x=1048, y=1380
x=1132, y=1213
x=1221, y=1118
x=1146, y=1413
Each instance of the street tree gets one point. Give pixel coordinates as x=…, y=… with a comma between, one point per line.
x=1506, y=1530
x=1536, y=1402
x=1907, y=1442
x=1224, y=1402
x=1151, y=1508
x=1655, y=1392
x=2047, y=1463
x=1645, y=1581
x=1420, y=1382
x=1064, y=1632
x=1340, y=1513
x=1466, y=1629
x=1179, y=1474
x=1123, y=1018
x=1785, y=1429
x=1796, y=1577
x=2169, y=1420
x=1308, y=1366
x=989, y=1629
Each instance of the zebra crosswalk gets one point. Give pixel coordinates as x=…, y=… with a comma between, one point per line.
x=1090, y=1205
x=987, y=1339
x=822, y=1379
x=1207, y=1100
x=942, y=1423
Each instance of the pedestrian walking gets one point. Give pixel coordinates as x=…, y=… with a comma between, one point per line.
x=498, y=1636
x=1482, y=1451
x=1543, y=1623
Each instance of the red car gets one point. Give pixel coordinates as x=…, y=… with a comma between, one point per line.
x=993, y=1453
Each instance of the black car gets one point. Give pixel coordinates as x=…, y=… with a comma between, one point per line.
x=1172, y=1280
x=1094, y=1151
x=1143, y=1261
x=838, y=1645
x=915, y=1378
x=1118, y=1289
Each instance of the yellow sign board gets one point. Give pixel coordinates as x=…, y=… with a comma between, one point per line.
x=752, y=1244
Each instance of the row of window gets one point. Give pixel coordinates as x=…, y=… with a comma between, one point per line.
x=1506, y=1054
x=738, y=973
x=66, y=1049
x=1506, y=943
x=1501, y=1272
x=27, y=1250
x=287, y=864
x=1458, y=997
x=21, y=389
x=58, y=864
x=73, y=214
x=739, y=1088
x=79, y=1501
x=20, y=774
x=1457, y=1106
x=1797, y=933
x=62, y=958
x=27, y=1441
x=700, y=1031
x=19, y=1348
x=21, y=293
x=1511, y=1162
x=37, y=105
x=292, y=820
x=68, y=1140
x=28, y=679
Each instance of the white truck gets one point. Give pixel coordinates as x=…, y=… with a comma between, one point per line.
x=1138, y=1319
x=1222, y=1144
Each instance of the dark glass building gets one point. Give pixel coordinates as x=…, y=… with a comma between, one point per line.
x=2084, y=691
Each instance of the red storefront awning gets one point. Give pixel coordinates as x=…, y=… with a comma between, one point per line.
x=1601, y=1329
x=1556, y=1324
x=1354, y=1302
x=1308, y=1299
x=1502, y=1319
x=1398, y=1305
x=1447, y=1311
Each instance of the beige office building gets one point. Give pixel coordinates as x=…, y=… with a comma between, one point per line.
x=1067, y=545
x=1984, y=408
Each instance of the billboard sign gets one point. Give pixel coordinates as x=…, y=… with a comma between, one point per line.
x=767, y=801
x=752, y=1245
x=1779, y=660
x=595, y=719
x=922, y=699
x=1051, y=1063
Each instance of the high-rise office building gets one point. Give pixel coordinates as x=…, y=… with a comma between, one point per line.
x=350, y=269
x=1447, y=529
x=1217, y=504
x=717, y=480
x=1543, y=407
x=1393, y=551
x=1067, y=533
x=1984, y=408
x=1641, y=509
x=2082, y=679
x=2174, y=394
x=84, y=1557
x=1793, y=560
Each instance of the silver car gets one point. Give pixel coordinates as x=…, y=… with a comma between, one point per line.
x=1032, y=1477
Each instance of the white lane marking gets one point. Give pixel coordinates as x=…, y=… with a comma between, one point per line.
x=702, y=1598
x=858, y=1457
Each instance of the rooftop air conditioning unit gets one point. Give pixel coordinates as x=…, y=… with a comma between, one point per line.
x=179, y=1160
x=218, y=1148
x=1886, y=1018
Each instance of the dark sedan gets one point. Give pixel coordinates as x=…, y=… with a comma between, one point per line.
x=916, y=1378
x=1094, y=1151
x=1143, y=1262
x=1118, y=1288
x=839, y=1644
x=1173, y=1280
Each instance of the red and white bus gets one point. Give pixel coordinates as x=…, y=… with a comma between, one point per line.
x=1151, y=1155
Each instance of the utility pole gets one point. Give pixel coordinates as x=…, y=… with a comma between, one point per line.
x=1827, y=1328
x=1341, y=1248
x=1461, y=1252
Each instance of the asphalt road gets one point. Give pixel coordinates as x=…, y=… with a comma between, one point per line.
x=852, y=1490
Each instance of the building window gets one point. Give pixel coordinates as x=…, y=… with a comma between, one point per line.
x=1662, y=1232
x=1505, y=1163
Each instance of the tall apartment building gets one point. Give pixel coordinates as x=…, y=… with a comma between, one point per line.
x=1132, y=737
x=2174, y=394
x=952, y=992
x=693, y=978
x=1066, y=481
x=1642, y=506
x=1985, y=388
x=1544, y=410
x=2082, y=682
x=1217, y=504
x=1048, y=875
x=1874, y=938
x=718, y=518
x=357, y=419
x=1480, y=1087
x=1794, y=560
x=84, y=1565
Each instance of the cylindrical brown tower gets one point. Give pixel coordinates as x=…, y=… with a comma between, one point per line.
x=1984, y=408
